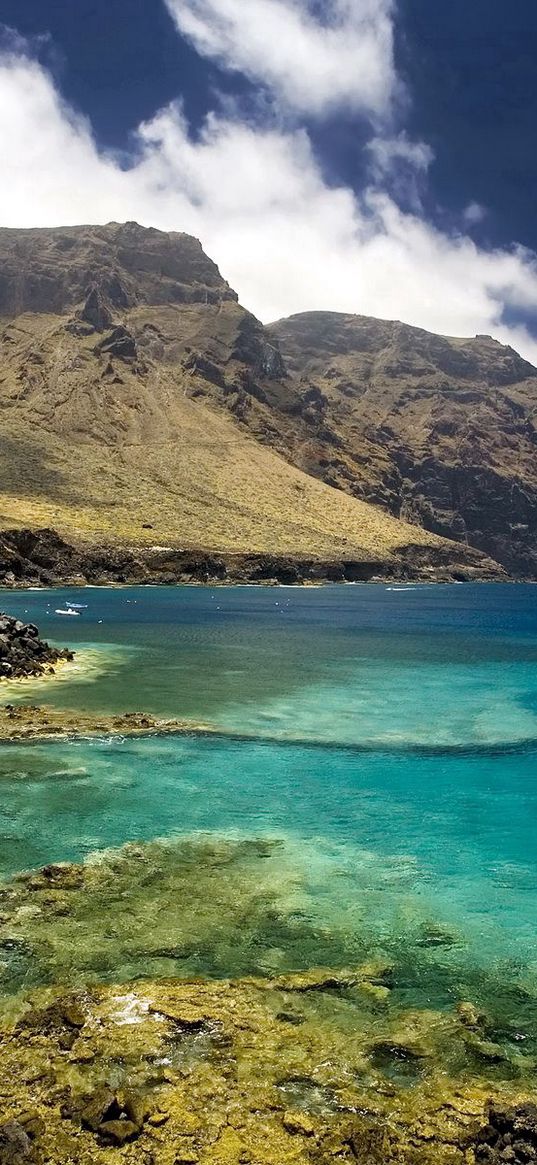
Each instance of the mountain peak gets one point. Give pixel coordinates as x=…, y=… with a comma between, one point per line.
x=55, y=270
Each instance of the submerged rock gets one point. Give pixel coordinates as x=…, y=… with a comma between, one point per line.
x=259, y=1096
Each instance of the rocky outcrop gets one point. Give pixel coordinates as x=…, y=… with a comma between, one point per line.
x=509, y=1137
x=437, y=430
x=42, y=557
x=120, y=342
x=23, y=653
x=207, y=1072
x=98, y=269
x=19, y=722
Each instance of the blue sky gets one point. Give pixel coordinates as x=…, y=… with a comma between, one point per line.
x=374, y=156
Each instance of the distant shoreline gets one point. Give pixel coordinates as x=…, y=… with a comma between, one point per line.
x=41, y=558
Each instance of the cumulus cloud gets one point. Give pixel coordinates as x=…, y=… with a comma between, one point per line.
x=312, y=64
x=285, y=239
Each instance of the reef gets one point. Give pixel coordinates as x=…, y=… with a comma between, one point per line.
x=20, y=722
x=217, y=1074
x=175, y=1003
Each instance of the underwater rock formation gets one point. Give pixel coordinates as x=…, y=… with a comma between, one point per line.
x=181, y=1073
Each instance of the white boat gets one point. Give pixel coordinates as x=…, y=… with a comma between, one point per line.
x=77, y=606
x=69, y=612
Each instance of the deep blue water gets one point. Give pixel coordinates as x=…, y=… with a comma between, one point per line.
x=391, y=742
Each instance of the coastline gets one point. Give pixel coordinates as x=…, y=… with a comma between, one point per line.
x=26, y=722
x=329, y=1066
x=205, y=1072
x=41, y=558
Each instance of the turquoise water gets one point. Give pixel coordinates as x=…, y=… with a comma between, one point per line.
x=389, y=741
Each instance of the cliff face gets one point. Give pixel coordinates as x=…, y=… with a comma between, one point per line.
x=438, y=431
x=116, y=267
x=141, y=405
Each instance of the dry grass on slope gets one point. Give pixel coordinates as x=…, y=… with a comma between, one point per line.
x=100, y=455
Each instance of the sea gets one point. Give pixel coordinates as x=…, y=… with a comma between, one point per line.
x=368, y=785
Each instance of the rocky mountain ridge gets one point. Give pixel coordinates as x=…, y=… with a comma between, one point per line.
x=141, y=406
x=440, y=431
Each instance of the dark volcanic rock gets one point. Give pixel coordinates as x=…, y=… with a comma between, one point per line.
x=55, y=270
x=23, y=653
x=95, y=311
x=15, y=1144
x=509, y=1136
x=120, y=343
x=41, y=556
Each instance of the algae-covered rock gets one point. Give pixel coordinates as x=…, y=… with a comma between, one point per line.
x=297, y=1123
x=119, y=1131
x=164, y=1086
x=485, y=1049
x=374, y=974
x=102, y=1106
x=471, y=1016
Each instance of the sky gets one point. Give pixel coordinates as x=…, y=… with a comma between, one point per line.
x=369, y=156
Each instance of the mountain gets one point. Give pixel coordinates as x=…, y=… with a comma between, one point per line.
x=439, y=431
x=143, y=408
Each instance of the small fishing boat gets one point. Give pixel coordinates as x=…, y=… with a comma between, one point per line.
x=77, y=606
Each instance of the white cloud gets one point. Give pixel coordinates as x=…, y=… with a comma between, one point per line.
x=390, y=152
x=311, y=65
x=474, y=213
x=402, y=165
x=286, y=240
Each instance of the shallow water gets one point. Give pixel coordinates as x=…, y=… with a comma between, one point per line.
x=390, y=741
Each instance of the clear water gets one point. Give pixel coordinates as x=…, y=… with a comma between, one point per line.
x=389, y=739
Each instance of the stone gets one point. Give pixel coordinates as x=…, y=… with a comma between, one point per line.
x=317, y=980
x=485, y=1049
x=136, y=1108
x=95, y=311
x=15, y=1144
x=298, y=1124
x=157, y=1119
x=470, y=1015
x=119, y=343
x=73, y=1014
x=22, y=652
x=291, y=1017
x=32, y=1123
x=119, y=1131
x=100, y=1108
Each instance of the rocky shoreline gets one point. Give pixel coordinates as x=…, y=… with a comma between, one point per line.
x=20, y=722
x=227, y=1073
x=23, y=654
x=43, y=558
x=136, y=1056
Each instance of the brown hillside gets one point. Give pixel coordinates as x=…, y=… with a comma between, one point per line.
x=440, y=431
x=133, y=393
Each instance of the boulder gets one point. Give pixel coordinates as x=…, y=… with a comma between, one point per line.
x=15, y=1144
x=22, y=652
